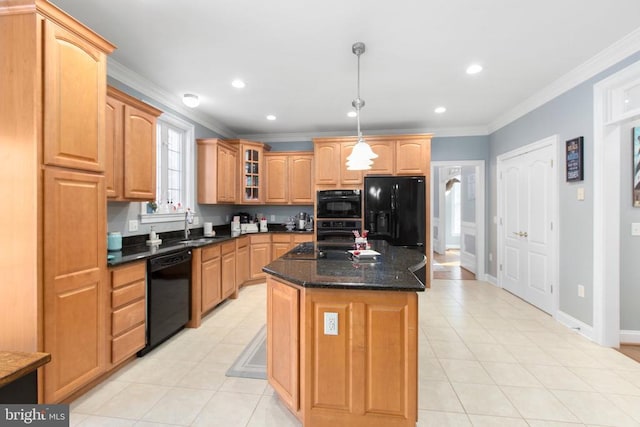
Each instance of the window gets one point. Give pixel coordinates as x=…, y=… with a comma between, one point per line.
x=175, y=170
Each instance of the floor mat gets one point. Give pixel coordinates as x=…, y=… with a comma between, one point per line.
x=252, y=362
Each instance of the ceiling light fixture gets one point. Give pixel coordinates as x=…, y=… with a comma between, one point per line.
x=474, y=69
x=439, y=110
x=237, y=83
x=271, y=117
x=362, y=156
x=190, y=100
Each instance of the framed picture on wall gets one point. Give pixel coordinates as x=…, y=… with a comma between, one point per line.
x=636, y=166
x=575, y=159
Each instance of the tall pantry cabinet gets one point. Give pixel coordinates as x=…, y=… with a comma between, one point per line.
x=52, y=298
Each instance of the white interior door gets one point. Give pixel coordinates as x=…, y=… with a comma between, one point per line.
x=528, y=182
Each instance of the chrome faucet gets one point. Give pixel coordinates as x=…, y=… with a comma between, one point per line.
x=188, y=219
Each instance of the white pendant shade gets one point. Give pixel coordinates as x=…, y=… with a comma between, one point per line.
x=359, y=164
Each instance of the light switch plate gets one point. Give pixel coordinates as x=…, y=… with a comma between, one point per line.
x=196, y=220
x=580, y=193
x=635, y=228
x=133, y=225
x=330, y=323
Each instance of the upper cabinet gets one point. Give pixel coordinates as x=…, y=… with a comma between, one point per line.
x=251, y=170
x=330, y=169
x=413, y=155
x=217, y=166
x=74, y=125
x=289, y=178
x=131, y=147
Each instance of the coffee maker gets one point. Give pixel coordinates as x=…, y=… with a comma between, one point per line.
x=301, y=220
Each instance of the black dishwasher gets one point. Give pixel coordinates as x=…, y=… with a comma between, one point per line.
x=168, y=296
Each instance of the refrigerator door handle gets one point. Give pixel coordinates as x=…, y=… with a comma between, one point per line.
x=395, y=229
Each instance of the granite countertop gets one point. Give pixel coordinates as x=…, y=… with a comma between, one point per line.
x=16, y=364
x=171, y=242
x=314, y=265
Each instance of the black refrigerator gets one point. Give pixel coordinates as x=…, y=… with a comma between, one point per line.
x=395, y=210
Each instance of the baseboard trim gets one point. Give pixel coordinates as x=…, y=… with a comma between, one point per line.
x=575, y=324
x=629, y=337
x=491, y=279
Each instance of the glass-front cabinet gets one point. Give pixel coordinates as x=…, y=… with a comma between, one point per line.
x=251, y=171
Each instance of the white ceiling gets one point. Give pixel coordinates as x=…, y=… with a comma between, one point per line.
x=296, y=58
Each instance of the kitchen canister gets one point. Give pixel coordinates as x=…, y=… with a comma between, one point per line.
x=208, y=229
x=114, y=241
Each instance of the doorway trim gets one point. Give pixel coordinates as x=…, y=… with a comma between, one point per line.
x=555, y=215
x=608, y=118
x=481, y=243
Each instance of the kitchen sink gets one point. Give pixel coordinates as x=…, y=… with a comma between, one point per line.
x=198, y=240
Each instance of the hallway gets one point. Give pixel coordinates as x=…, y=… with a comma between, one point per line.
x=447, y=266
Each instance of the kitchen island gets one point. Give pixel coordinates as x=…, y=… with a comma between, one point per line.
x=342, y=334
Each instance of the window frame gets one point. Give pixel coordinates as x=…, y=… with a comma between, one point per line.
x=188, y=170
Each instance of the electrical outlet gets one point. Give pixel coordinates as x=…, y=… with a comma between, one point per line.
x=581, y=291
x=196, y=220
x=133, y=225
x=580, y=193
x=226, y=218
x=330, y=323
x=273, y=218
x=635, y=228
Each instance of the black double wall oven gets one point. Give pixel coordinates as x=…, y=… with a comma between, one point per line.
x=338, y=213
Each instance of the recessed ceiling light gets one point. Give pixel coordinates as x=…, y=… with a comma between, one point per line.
x=271, y=117
x=440, y=110
x=352, y=114
x=237, y=83
x=474, y=69
x=190, y=100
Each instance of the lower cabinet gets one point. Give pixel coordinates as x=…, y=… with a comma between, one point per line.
x=128, y=308
x=228, y=286
x=281, y=243
x=243, y=264
x=260, y=247
x=210, y=278
x=364, y=374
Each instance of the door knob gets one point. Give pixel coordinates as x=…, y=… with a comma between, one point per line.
x=521, y=233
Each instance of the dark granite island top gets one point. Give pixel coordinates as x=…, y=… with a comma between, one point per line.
x=318, y=265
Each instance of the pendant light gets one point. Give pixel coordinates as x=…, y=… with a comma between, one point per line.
x=361, y=158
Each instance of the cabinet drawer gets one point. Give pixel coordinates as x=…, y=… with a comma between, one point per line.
x=210, y=252
x=126, y=317
x=127, y=344
x=122, y=276
x=242, y=242
x=260, y=238
x=280, y=238
x=127, y=294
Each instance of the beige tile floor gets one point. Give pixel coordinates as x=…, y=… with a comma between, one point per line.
x=486, y=359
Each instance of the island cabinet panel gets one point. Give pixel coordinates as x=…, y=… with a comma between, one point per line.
x=74, y=99
x=282, y=341
x=364, y=374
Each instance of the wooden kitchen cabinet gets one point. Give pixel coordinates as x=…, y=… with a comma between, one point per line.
x=281, y=243
x=413, y=155
x=217, y=176
x=128, y=310
x=131, y=147
x=74, y=120
x=355, y=377
x=243, y=264
x=228, y=287
x=250, y=170
x=384, y=164
x=330, y=156
x=210, y=277
x=74, y=291
x=260, y=248
x=283, y=346
x=289, y=178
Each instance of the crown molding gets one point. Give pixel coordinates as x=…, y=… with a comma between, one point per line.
x=307, y=136
x=158, y=95
x=608, y=57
